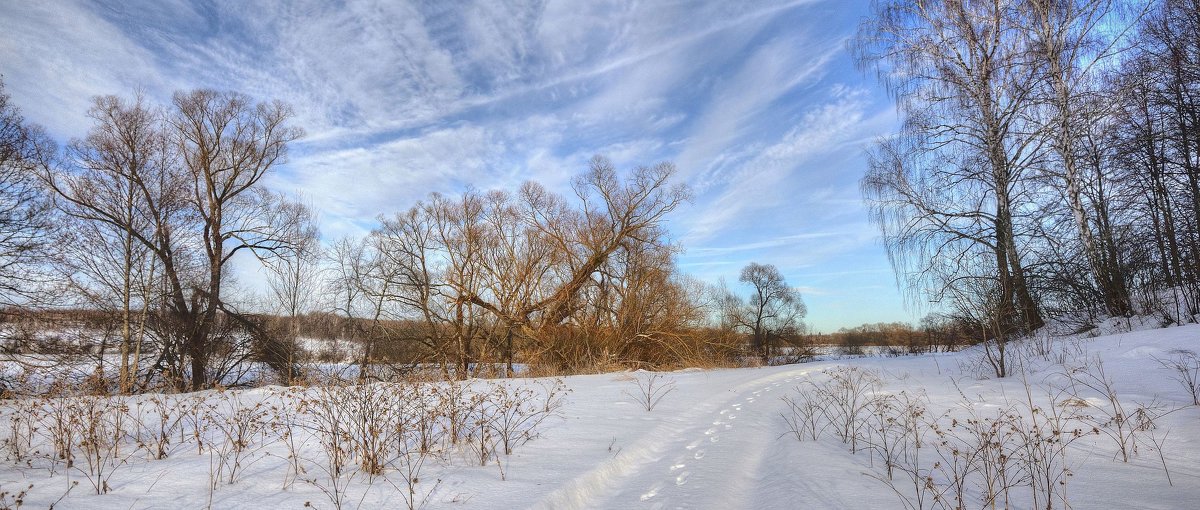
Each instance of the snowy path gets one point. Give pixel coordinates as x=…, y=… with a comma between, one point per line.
x=713, y=455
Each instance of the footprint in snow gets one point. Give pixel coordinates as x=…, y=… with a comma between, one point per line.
x=710, y=432
x=714, y=438
x=682, y=478
x=678, y=466
x=723, y=411
x=652, y=492
x=699, y=455
x=731, y=417
x=693, y=445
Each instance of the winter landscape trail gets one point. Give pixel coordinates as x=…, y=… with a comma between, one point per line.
x=716, y=454
x=717, y=441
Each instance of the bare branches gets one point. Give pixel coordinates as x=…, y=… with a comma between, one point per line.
x=485, y=274
x=957, y=70
x=25, y=151
x=1185, y=368
x=178, y=192
x=650, y=390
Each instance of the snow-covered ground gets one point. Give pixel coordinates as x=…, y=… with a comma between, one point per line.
x=717, y=440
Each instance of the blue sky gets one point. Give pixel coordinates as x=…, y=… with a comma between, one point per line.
x=758, y=103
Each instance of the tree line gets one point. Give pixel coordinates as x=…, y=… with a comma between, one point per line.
x=117, y=249
x=1048, y=160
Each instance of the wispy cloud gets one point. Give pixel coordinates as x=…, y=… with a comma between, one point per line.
x=775, y=176
x=759, y=245
x=756, y=102
x=55, y=55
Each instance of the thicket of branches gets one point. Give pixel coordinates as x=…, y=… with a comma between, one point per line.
x=1048, y=164
x=998, y=451
x=497, y=278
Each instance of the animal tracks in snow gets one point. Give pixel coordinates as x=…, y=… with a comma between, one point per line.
x=682, y=478
x=673, y=466
x=651, y=493
x=722, y=421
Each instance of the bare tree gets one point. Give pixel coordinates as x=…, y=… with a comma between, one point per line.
x=294, y=279
x=366, y=285
x=347, y=259
x=226, y=145
x=1066, y=43
x=612, y=214
x=956, y=180
x=458, y=229
x=410, y=242
x=486, y=274
x=774, y=308
x=124, y=147
x=648, y=311
x=1160, y=116
x=195, y=210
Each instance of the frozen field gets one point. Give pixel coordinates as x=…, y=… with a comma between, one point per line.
x=716, y=439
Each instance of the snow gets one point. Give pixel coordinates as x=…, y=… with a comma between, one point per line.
x=716, y=441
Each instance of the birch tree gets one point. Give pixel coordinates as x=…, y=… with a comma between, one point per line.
x=955, y=181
